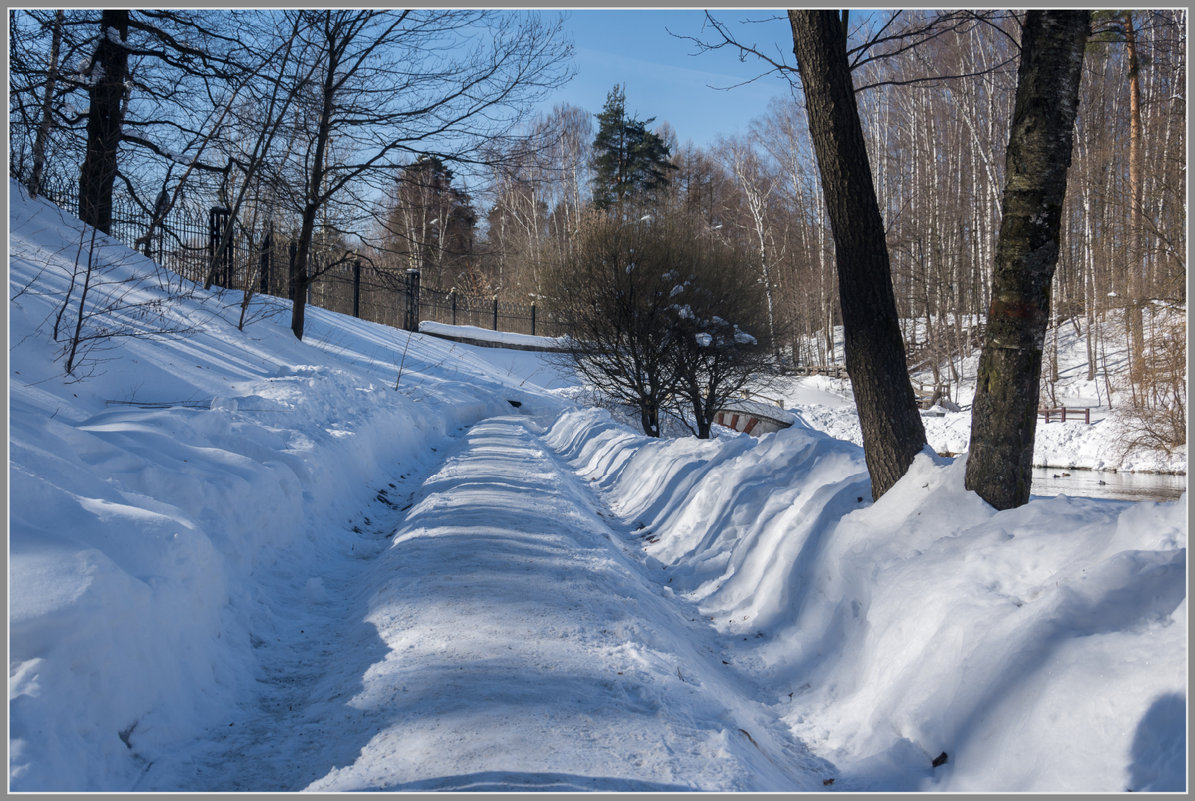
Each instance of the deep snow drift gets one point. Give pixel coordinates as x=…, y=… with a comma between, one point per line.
x=240, y=561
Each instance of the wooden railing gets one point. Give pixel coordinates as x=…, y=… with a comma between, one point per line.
x=1061, y=414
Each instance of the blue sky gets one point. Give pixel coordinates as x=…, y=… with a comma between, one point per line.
x=663, y=77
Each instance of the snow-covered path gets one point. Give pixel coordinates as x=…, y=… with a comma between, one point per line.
x=506, y=639
x=241, y=561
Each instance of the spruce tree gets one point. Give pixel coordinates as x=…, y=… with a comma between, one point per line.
x=629, y=161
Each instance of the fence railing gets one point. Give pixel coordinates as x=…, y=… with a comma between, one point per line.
x=261, y=260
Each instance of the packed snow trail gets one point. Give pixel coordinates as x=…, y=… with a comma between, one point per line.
x=505, y=640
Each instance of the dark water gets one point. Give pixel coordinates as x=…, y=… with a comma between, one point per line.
x=1100, y=484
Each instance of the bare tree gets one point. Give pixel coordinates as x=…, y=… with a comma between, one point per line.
x=827, y=50
x=395, y=84
x=570, y=133
x=46, y=122
x=875, y=356
x=105, y=119
x=517, y=240
x=1004, y=415
x=660, y=316
x=757, y=188
x=156, y=82
x=716, y=307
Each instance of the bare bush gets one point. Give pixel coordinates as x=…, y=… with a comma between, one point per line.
x=661, y=315
x=1156, y=417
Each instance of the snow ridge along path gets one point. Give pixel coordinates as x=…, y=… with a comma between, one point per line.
x=507, y=639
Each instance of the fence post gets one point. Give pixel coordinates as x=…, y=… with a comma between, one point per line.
x=217, y=222
x=452, y=302
x=263, y=264
x=411, y=321
x=495, y=312
x=533, y=318
x=293, y=251
x=357, y=288
x=162, y=243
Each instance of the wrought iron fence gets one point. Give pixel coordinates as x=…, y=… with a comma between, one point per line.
x=455, y=308
x=262, y=261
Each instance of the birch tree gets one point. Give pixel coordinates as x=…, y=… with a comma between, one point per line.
x=757, y=190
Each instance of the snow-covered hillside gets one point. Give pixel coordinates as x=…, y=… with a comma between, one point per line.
x=238, y=561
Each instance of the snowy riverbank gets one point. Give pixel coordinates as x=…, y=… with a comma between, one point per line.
x=825, y=404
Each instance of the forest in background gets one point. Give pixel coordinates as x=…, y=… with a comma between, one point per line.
x=196, y=110
x=937, y=152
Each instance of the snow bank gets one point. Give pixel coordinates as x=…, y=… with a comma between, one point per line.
x=1042, y=648
x=485, y=337
x=147, y=497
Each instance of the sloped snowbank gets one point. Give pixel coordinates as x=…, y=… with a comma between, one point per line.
x=145, y=499
x=1042, y=648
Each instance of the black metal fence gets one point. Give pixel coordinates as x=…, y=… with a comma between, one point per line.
x=455, y=308
x=262, y=261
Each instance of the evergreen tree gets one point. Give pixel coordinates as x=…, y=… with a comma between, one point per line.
x=432, y=223
x=629, y=160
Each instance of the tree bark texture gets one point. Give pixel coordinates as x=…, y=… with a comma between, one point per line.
x=105, y=115
x=1004, y=414
x=875, y=356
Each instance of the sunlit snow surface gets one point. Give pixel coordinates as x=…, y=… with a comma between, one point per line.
x=242, y=562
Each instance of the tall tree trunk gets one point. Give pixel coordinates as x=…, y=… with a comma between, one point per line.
x=756, y=196
x=1089, y=283
x=875, y=355
x=316, y=197
x=1136, y=250
x=1004, y=415
x=302, y=276
x=110, y=67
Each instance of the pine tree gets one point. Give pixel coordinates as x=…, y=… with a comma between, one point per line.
x=432, y=222
x=629, y=161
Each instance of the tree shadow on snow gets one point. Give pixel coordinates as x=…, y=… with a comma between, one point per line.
x=1160, y=747
x=512, y=782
